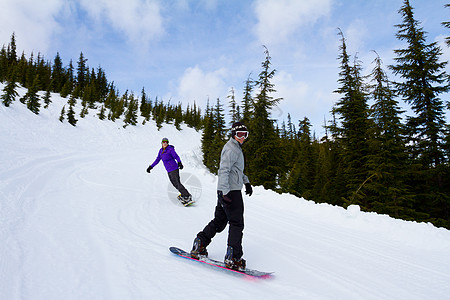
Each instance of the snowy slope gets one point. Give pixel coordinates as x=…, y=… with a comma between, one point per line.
x=81, y=219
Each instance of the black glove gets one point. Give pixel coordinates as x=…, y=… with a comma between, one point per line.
x=223, y=199
x=248, y=189
x=180, y=166
x=149, y=169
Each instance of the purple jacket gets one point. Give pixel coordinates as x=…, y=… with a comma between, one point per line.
x=169, y=157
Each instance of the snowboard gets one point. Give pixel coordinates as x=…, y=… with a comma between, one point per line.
x=221, y=265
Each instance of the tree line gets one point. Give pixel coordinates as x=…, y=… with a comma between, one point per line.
x=87, y=85
x=369, y=156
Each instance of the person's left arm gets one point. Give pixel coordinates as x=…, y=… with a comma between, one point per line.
x=248, y=186
x=245, y=178
x=177, y=158
x=175, y=155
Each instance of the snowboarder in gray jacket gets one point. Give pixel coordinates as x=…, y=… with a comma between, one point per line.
x=230, y=205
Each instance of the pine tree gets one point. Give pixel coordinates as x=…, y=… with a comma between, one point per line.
x=353, y=112
x=70, y=73
x=290, y=128
x=307, y=159
x=102, y=114
x=247, y=101
x=62, y=115
x=169, y=113
x=67, y=87
x=47, y=99
x=321, y=189
x=32, y=98
x=30, y=72
x=117, y=108
x=188, y=117
x=207, y=136
x=90, y=95
x=159, y=113
x=101, y=85
x=21, y=70
x=447, y=25
x=43, y=70
x=9, y=92
x=82, y=71
x=283, y=130
x=234, y=108
x=262, y=149
x=213, y=137
x=218, y=138
x=84, y=109
x=3, y=65
x=146, y=106
x=198, y=122
x=178, y=118
x=302, y=166
x=57, y=74
x=424, y=80
x=337, y=189
x=110, y=101
x=293, y=140
x=11, y=55
x=289, y=147
x=131, y=112
x=387, y=161
x=71, y=112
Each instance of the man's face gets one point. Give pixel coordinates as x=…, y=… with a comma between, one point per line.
x=240, y=136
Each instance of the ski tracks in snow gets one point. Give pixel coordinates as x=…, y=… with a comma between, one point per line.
x=35, y=202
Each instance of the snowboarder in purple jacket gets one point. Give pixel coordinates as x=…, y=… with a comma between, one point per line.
x=172, y=163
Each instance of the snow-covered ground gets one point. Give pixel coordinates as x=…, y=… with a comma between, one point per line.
x=81, y=219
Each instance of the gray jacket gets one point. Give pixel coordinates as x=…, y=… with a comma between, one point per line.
x=231, y=170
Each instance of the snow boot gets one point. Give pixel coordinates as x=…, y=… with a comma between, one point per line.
x=198, y=249
x=187, y=200
x=233, y=263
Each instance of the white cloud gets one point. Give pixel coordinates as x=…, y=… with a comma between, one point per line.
x=210, y=5
x=37, y=22
x=187, y=5
x=355, y=36
x=278, y=20
x=139, y=20
x=33, y=23
x=195, y=84
x=310, y=97
x=440, y=40
x=293, y=93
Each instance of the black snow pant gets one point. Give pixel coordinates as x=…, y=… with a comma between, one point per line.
x=227, y=213
x=174, y=177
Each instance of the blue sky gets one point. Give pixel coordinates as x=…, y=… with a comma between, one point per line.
x=190, y=50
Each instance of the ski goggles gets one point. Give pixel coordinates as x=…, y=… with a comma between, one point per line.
x=242, y=134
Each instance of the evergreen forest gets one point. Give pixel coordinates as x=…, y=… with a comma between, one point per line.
x=372, y=154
